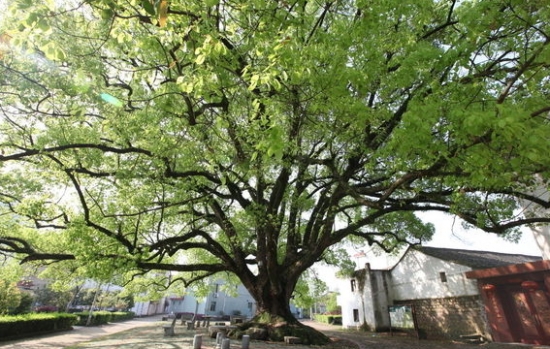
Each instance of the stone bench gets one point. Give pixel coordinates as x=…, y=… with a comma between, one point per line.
x=189, y=320
x=169, y=328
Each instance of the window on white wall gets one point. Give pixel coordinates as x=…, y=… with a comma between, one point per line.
x=216, y=290
x=443, y=276
x=213, y=306
x=353, y=285
x=355, y=315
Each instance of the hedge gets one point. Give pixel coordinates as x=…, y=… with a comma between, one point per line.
x=103, y=317
x=328, y=319
x=29, y=324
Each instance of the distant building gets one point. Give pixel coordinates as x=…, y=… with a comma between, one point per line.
x=216, y=303
x=148, y=308
x=32, y=283
x=433, y=282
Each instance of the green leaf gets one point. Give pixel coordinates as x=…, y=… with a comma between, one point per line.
x=149, y=7
x=200, y=59
x=107, y=13
x=43, y=24
x=253, y=82
x=211, y=3
x=53, y=52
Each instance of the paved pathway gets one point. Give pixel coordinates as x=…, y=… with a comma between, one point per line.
x=78, y=335
x=147, y=333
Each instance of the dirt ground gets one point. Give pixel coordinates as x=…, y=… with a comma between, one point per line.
x=148, y=333
x=363, y=340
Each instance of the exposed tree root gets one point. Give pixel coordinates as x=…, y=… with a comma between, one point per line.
x=275, y=328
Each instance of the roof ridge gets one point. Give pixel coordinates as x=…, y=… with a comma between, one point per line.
x=474, y=258
x=419, y=248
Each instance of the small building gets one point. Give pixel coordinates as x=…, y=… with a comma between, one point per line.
x=433, y=282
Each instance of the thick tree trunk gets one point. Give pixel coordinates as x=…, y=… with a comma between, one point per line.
x=275, y=318
x=276, y=304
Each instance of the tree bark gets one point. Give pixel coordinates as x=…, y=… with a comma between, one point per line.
x=273, y=301
x=274, y=315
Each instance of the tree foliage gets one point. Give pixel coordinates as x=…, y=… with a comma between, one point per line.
x=309, y=290
x=57, y=299
x=10, y=297
x=25, y=304
x=251, y=137
x=331, y=303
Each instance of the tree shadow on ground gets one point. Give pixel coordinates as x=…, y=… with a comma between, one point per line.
x=153, y=337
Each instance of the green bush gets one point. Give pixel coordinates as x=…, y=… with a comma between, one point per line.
x=103, y=317
x=28, y=324
x=122, y=316
x=25, y=304
x=98, y=318
x=10, y=296
x=328, y=319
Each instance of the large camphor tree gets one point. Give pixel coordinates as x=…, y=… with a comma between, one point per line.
x=251, y=137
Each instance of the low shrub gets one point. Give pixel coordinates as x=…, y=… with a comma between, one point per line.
x=103, y=317
x=97, y=318
x=122, y=316
x=328, y=319
x=29, y=324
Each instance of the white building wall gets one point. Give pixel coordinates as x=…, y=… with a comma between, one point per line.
x=148, y=308
x=242, y=304
x=417, y=276
x=349, y=300
x=541, y=232
x=365, y=304
x=225, y=304
x=186, y=304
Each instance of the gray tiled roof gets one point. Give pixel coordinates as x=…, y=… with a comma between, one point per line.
x=477, y=259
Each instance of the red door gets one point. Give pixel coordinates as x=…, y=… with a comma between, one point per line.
x=528, y=313
x=540, y=303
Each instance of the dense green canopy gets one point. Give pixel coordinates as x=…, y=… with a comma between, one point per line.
x=252, y=136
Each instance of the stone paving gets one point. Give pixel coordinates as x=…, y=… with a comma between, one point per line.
x=149, y=334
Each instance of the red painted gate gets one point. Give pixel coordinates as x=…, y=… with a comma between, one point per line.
x=527, y=310
x=517, y=301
